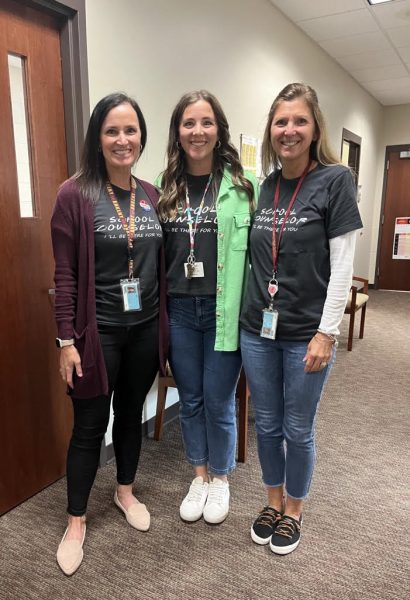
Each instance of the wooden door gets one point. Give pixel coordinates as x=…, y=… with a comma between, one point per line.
x=35, y=420
x=394, y=273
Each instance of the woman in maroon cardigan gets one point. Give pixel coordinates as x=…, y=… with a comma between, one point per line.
x=108, y=253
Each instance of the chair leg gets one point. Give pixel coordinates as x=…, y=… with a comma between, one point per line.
x=351, y=331
x=362, y=318
x=159, y=415
x=242, y=393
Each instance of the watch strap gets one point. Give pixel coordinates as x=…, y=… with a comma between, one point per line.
x=63, y=343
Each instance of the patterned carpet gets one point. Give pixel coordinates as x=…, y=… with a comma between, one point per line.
x=354, y=539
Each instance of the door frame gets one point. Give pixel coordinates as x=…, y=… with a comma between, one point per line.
x=397, y=148
x=352, y=138
x=73, y=43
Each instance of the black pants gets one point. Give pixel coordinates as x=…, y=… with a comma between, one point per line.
x=131, y=359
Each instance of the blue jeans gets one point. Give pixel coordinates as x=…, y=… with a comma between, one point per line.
x=206, y=381
x=285, y=401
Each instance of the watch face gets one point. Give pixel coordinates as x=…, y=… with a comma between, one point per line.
x=58, y=342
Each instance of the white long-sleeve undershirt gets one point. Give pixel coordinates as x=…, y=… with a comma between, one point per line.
x=341, y=271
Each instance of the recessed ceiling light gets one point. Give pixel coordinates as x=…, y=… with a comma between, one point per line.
x=378, y=1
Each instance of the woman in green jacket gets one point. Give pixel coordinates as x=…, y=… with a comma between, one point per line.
x=205, y=209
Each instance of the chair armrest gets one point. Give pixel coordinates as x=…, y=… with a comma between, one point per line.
x=365, y=282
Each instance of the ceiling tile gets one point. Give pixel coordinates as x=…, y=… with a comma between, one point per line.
x=400, y=36
x=356, y=44
x=378, y=73
x=393, y=97
x=367, y=60
x=300, y=11
x=372, y=43
x=393, y=14
x=403, y=83
x=327, y=28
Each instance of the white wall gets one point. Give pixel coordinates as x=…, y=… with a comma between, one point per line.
x=244, y=51
x=396, y=127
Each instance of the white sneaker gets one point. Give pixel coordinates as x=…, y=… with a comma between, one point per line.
x=193, y=504
x=217, y=505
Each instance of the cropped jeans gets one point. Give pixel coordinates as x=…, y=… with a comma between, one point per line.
x=285, y=400
x=206, y=381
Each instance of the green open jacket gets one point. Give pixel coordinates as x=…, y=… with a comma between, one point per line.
x=234, y=220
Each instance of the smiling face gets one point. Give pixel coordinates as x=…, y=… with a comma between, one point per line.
x=198, y=134
x=120, y=140
x=292, y=131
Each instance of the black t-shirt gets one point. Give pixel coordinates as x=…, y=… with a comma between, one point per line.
x=325, y=208
x=111, y=257
x=176, y=234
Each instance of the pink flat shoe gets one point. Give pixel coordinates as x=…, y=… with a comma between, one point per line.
x=70, y=554
x=137, y=515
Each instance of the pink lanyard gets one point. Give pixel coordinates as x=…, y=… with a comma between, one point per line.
x=273, y=284
x=193, y=225
x=128, y=228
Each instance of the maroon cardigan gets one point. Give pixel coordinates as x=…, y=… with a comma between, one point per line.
x=72, y=232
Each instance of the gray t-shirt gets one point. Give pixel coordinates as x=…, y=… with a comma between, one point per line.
x=111, y=257
x=325, y=208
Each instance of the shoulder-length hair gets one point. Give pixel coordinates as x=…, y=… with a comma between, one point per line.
x=319, y=149
x=225, y=154
x=92, y=173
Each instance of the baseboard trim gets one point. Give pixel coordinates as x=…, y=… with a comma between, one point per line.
x=170, y=413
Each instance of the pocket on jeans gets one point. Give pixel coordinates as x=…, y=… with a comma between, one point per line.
x=209, y=308
x=175, y=311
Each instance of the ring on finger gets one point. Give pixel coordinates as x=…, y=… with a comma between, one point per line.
x=323, y=365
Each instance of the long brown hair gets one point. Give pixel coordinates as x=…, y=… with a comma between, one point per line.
x=319, y=150
x=92, y=173
x=225, y=154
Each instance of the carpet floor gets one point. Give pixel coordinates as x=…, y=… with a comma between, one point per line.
x=354, y=538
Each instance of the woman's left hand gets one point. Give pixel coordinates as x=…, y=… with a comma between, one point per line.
x=319, y=353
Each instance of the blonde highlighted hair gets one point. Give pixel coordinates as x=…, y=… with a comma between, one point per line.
x=320, y=149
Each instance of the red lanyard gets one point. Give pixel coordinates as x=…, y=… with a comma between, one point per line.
x=276, y=245
x=129, y=227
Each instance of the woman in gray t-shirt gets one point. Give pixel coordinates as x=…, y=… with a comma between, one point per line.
x=302, y=245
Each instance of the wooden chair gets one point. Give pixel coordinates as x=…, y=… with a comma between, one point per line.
x=357, y=300
x=242, y=394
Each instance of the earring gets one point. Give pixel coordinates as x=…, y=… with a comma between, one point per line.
x=141, y=148
x=178, y=145
x=218, y=145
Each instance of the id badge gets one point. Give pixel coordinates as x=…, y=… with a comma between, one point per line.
x=131, y=295
x=194, y=270
x=269, y=323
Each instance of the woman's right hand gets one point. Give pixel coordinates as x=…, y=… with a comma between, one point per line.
x=70, y=360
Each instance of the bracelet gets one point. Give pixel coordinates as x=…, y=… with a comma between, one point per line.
x=330, y=337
